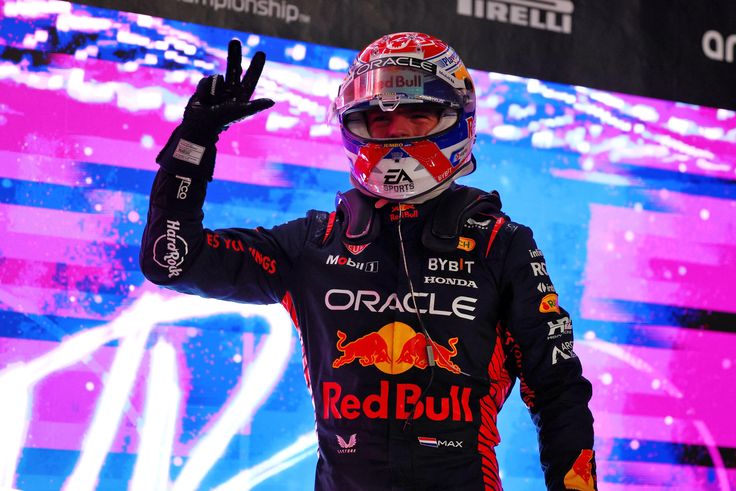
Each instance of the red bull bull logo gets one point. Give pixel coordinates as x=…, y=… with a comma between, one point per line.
x=394, y=349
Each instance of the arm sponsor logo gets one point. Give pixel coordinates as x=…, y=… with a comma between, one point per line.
x=549, y=15
x=560, y=327
x=539, y=269
x=582, y=473
x=549, y=304
x=563, y=351
x=184, y=183
x=216, y=241
x=266, y=262
x=170, y=249
x=535, y=253
x=545, y=287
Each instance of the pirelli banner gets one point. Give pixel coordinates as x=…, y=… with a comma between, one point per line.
x=683, y=50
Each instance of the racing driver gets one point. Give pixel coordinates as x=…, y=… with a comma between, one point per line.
x=417, y=300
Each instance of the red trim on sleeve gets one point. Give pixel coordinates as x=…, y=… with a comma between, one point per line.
x=496, y=228
x=330, y=225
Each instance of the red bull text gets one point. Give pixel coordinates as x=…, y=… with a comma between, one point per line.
x=455, y=406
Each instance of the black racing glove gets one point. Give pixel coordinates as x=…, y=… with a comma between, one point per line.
x=217, y=103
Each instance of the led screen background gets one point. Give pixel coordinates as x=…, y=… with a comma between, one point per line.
x=108, y=382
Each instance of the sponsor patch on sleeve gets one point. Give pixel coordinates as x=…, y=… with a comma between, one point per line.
x=465, y=244
x=549, y=304
x=189, y=152
x=582, y=474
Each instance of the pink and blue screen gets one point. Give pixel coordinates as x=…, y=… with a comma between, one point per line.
x=108, y=382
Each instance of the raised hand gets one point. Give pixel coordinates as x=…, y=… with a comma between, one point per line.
x=220, y=102
x=217, y=103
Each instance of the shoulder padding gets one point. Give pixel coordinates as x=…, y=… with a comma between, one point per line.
x=362, y=225
x=320, y=226
x=442, y=231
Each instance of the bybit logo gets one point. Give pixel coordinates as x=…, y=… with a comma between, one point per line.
x=550, y=15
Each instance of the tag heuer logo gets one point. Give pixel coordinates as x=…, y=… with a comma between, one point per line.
x=355, y=249
x=480, y=224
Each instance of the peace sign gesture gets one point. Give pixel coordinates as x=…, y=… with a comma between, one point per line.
x=220, y=102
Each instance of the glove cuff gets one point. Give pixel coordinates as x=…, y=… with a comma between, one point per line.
x=189, y=153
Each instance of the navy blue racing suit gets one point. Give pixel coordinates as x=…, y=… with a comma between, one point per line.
x=392, y=414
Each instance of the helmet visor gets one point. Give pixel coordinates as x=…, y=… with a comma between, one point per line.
x=393, y=85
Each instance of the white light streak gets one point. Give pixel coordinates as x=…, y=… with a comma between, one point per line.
x=159, y=421
x=14, y=417
x=635, y=362
x=257, y=383
x=715, y=454
x=109, y=411
x=305, y=446
x=132, y=327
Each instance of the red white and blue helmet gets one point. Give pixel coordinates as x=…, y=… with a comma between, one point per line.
x=407, y=68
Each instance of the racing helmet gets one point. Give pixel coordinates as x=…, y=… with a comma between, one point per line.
x=395, y=70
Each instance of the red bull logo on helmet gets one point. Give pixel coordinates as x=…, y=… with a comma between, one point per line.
x=394, y=349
